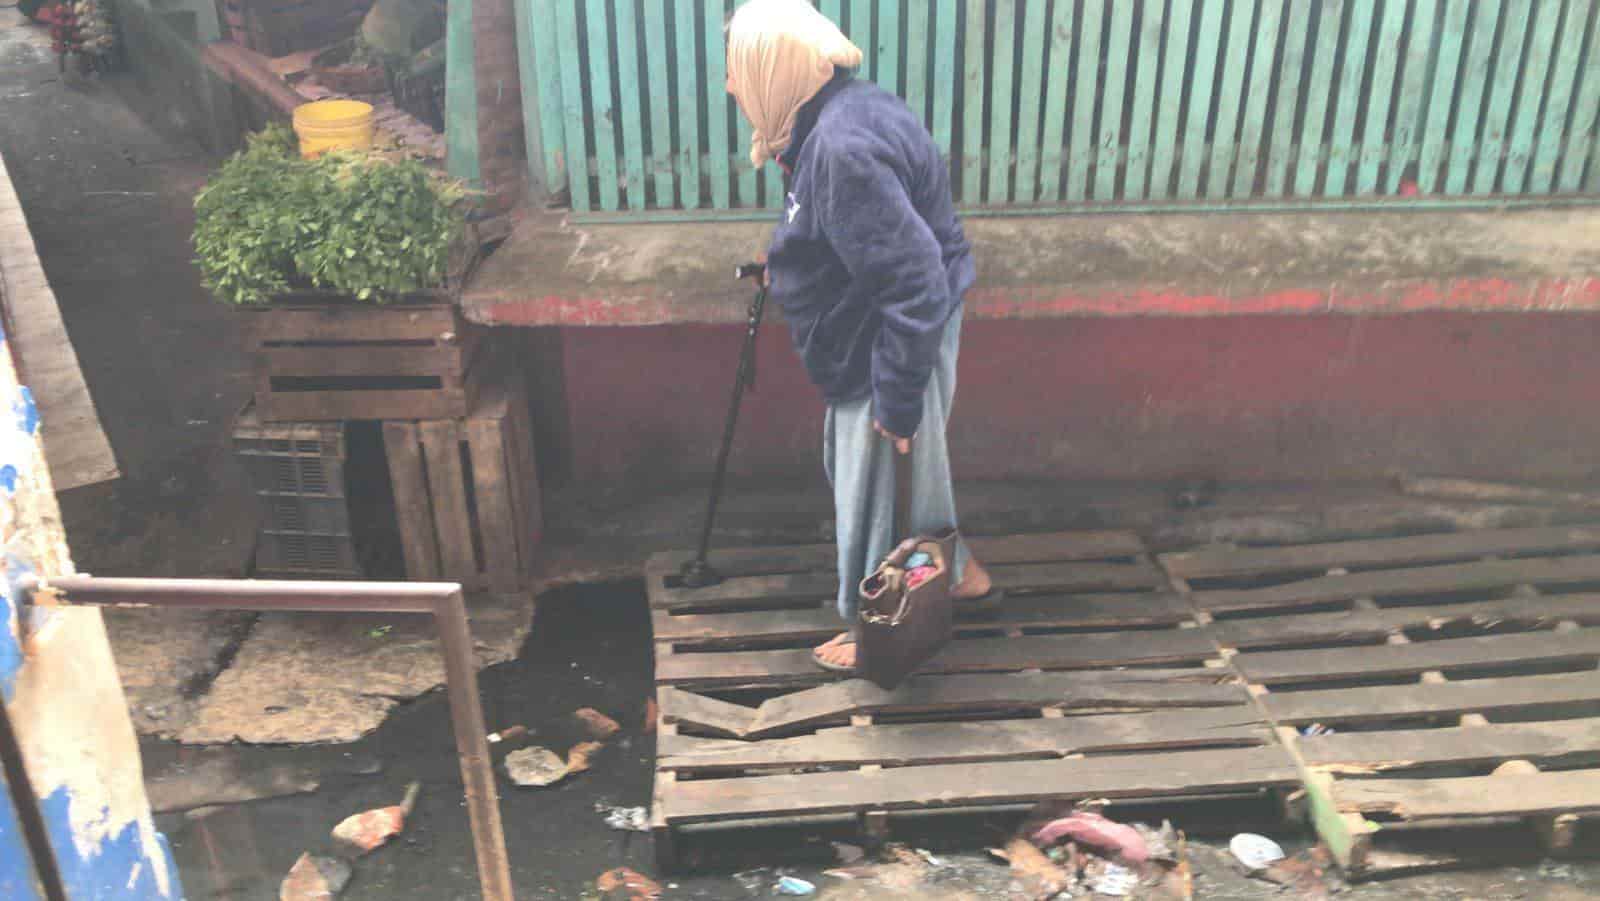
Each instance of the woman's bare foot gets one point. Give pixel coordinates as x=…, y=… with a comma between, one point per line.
x=975, y=582
x=838, y=651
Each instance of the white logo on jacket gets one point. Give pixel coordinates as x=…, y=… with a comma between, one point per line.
x=794, y=207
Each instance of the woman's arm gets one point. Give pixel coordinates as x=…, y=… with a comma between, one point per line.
x=891, y=252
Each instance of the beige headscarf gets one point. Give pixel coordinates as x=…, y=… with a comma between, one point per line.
x=780, y=54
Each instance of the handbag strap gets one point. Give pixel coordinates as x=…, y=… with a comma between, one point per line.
x=903, y=475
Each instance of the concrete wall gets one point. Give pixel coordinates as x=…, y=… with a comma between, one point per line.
x=1246, y=397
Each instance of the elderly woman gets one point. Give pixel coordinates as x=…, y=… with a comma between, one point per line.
x=869, y=264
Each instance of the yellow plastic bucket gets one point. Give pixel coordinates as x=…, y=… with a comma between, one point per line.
x=325, y=125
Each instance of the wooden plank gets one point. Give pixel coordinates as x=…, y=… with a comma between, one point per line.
x=1028, y=611
x=402, y=443
x=945, y=83
x=529, y=504
x=441, y=450
x=540, y=72
x=371, y=360
x=1503, y=88
x=1074, y=651
x=1175, y=73
x=1250, y=155
x=1075, y=576
x=1483, y=574
x=1563, y=84
x=659, y=67
x=498, y=527
x=1143, y=689
x=1081, y=148
x=1142, y=122
x=573, y=112
x=1001, y=78
x=705, y=714
x=1291, y=69
x=318, y=406
x=1485, y=696
x=975, y=742
x=1441, y=548
x=1381, y=97
x=1535, y=69
x=1318, y=94
x=972, y=119
x=1030, y=102
x=1462, y=745
x=1584, y=113
x=1230, y=101
x=1469, y=103
x=602, y=114
x=1445, y=655
x=685, y=27
x=900, y=788
x=916, y=79
x=811, y=586
x=1452, y=39
x=886, y=68
x=1504, y=795
x=1112, y=105
x=357, y=323
x=721, y=153
x=1359, y=624
x=1202, y=90
x=625, y=28
x=1347, y=106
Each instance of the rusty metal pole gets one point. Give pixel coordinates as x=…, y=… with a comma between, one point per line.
x=443, y=600
x=472, y=746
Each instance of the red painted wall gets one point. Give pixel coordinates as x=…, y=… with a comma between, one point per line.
x=1248, y=397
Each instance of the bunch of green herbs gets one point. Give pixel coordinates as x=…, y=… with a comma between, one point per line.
x=371, y=228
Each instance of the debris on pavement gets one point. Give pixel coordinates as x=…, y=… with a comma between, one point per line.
x=598, y=724
x=1090, y=828
x=848, y=854
x=365, y=831
x=1306, y=873
x=1113, y=879
x=580, y=755
x=536, y=767
x=1255, y=852
x=624, y=884
x=314, y=879
x=1037, y=876
x=625, y=819
x=511, y=733
x=794, y=887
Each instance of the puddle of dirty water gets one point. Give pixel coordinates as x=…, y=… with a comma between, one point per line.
x=590, y=648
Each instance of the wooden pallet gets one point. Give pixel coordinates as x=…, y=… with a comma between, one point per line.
x=467, y=493
x=1457, y=671
x=1092, y=682
x=347, y=360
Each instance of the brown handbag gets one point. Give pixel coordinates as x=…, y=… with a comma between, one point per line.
x=900, y=626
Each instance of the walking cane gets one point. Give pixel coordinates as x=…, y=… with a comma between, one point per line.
x=698, y=573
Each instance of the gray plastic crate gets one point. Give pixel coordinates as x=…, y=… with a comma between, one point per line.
x=306, y=554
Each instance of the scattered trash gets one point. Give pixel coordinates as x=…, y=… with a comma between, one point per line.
x=1306, y=873
x=651, y=714
x=1255, y=852
x=791, y=886
x=536, y=767
x=598, y=724
x=1113, y=879
x=1037, y=876
x=314, y=879
x=1092, y=829
x=625, y=819
x=580, y=755
x=379, y=631
x=370, y=829
x=848, y=854
x=1316, y=729
x=509, y=734
x=1161, y=844
x=623, y=883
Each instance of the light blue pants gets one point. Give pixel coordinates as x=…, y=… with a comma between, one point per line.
x=860, y=466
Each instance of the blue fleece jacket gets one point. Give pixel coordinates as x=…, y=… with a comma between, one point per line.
x=869, y=260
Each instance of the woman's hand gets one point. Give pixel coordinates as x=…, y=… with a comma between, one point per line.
x=901, y=445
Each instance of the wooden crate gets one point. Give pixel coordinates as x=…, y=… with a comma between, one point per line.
x=1093, y=681
x=360, y=361
x=466, y=492
x=1457, y=672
